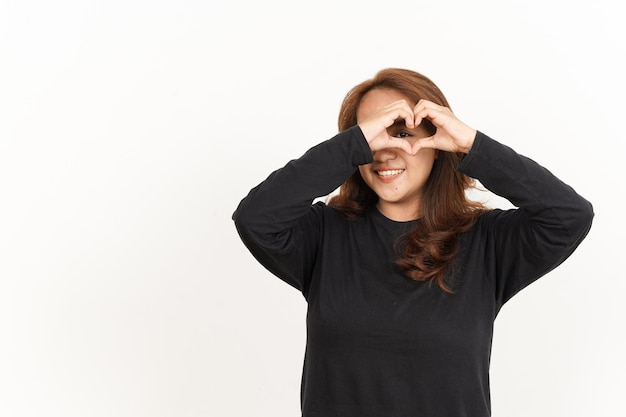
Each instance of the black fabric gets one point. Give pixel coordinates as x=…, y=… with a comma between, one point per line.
x=378, y=343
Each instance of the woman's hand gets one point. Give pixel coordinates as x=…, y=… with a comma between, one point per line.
x=374, y=128
x=452, y=135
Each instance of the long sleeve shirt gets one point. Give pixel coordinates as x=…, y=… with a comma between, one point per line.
x=379, y=343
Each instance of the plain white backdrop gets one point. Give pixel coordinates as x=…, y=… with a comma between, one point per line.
x=130, y=130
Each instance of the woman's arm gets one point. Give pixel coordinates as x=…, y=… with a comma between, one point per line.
x=550, y=222
x=276, y=220
x=552, y=218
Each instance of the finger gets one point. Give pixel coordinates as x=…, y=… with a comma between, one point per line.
x=428, y=142
x=424, y=143
x=417, y=119
x=401, y=144
x=438, y=116
x=418, y=111
x=427, y=104
x=404, y=113
x=401, y=110
x=406, y=147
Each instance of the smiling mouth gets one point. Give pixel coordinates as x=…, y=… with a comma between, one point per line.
x=390, y=172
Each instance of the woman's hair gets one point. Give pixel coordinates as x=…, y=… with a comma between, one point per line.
x=446, y=212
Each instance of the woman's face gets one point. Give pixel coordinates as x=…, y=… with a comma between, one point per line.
x=397, y=177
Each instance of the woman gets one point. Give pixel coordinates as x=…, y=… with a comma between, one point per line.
x=402, y=274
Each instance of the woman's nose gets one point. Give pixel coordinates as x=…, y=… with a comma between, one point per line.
x=383, y=155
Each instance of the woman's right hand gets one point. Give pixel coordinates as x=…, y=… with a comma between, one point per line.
x=374, y=128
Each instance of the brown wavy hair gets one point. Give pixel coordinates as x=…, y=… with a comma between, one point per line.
x=425, y=252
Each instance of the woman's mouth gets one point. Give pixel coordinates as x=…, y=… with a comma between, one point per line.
x=389, y=172
x=388, y=175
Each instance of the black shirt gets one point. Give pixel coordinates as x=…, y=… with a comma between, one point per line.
x=379, y=343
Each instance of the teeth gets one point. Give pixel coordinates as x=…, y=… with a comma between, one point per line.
x=390, y=172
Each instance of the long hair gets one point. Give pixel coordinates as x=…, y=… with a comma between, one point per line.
x=429, y=248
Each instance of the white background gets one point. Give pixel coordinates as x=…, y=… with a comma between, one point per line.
x=130, y=130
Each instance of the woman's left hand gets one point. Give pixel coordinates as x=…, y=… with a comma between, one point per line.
x=452, y=135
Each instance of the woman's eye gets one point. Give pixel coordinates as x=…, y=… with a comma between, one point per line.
x=402, y=134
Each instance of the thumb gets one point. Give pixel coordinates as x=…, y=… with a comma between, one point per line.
x=424, y=143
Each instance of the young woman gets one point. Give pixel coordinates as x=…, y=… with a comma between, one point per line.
x=403, y=275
